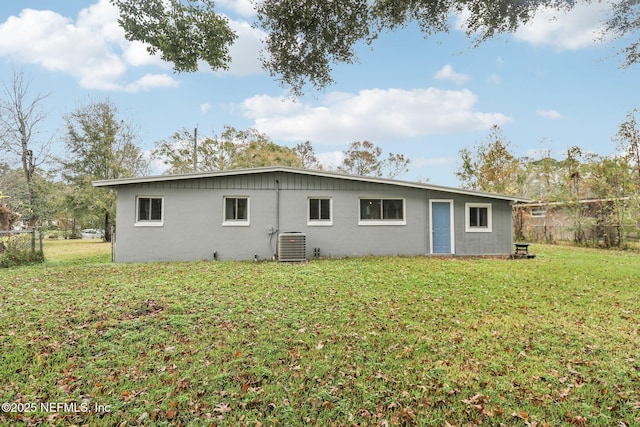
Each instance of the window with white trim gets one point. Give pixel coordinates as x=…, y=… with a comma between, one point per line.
x=478, y=217
x=320, y=212
x=149, y=211
x=382, y=212
x=236, y=211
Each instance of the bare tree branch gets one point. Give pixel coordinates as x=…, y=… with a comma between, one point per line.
x=21, y=116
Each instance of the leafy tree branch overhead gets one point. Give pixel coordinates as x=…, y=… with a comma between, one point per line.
x=182, y=32
x=305, y=39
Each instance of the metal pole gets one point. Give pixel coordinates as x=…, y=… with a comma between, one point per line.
x=195, y=149
x=113, y=244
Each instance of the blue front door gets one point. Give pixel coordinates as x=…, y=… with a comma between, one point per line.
x=441, y=227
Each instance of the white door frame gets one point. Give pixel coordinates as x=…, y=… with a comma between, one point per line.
x=451, y=223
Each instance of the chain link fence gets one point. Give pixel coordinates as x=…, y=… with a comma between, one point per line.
x=594, y=235
x=20, y=247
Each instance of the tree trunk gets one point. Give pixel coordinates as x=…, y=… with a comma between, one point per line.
x=107, y=227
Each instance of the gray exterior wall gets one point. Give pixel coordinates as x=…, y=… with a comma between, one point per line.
x=193, y=229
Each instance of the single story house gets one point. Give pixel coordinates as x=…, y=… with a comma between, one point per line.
x=292, y=214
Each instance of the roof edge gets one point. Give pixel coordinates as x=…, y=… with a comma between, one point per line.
x=286, y=169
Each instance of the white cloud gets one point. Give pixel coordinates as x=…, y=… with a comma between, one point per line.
x=376, y=114
x=136, y=54
x=92, y=49
x=550, y=114
x=494, y=79
x=102, y=18
x=241, y=7
x=578, y=28
x=447, y=73
x=245, y=51
x=330, y=160
x=150, y=81
x=49, y=39
x=205, y=107
x=156, y=165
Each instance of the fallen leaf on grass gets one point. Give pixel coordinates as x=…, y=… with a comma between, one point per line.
x=478, y=398
x=222, y=408
x=577, y=420
x=522, y=415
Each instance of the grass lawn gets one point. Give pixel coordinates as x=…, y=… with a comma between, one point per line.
x=79, y=251
x=370, y=341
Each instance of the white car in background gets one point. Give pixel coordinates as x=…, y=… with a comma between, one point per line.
x=92, y=233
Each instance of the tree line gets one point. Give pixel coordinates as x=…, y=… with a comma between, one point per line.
x=37, y=188
x=593, y=191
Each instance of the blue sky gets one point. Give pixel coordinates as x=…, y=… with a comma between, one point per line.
x=550, y=85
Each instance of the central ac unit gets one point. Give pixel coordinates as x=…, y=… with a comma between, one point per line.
x=292, y=247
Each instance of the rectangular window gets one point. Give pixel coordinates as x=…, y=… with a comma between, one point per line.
x=319, y=211
x=382, y=211
x=149, y=211
x=478, y=217
x=539, y=212
x=236, y=211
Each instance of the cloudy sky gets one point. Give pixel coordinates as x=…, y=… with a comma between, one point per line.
x=551, y=85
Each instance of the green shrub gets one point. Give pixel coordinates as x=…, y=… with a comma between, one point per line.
x=13, y=258
x=17, y=250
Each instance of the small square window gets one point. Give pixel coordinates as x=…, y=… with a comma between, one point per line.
x=149, y=210
x=236, y=211
x=478, y=217
x=319, y=211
